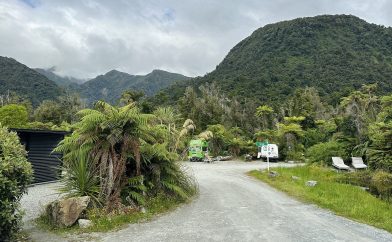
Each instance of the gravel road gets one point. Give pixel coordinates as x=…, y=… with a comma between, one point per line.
x=234, y=207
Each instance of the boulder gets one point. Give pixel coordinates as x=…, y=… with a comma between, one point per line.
x=84, y=223
x=311, y=183
x=65, y=212
x=295, y=177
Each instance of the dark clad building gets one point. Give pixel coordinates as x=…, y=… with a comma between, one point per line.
x=39, y=145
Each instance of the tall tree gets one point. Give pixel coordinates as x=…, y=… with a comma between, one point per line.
x=107, y=135
x=362, y=106
x=264, y=112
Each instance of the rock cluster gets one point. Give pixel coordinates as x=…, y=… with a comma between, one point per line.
x=65, y=212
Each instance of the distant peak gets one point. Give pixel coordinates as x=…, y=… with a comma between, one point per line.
x=114, y=71
x=158, y=71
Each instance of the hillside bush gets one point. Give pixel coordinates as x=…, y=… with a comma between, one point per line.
x=382, y=183
x=324, y=151
x=15, y=175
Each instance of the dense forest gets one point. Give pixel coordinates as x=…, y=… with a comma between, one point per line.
x=336, y=54
x=27, y=83
x=110, y=86
x=37, y=85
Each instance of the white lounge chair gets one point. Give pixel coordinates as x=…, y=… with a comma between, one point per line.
x=338, y=163
x=357, y=163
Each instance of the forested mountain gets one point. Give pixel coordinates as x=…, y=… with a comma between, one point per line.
x=111, y=85
x=63, y=81
x=40, y=84
x=25, y=82
x=333, y=53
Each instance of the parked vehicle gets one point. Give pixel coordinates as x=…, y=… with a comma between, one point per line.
x=198, y=150
x=269, y=150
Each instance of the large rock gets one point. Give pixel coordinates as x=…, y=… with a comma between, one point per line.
x=65, y=212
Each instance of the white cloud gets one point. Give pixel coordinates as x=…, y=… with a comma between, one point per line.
x=84, y=38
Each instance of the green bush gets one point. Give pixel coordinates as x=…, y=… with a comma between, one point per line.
x=15, y=175
x=14, y=116
x=359, y=178
x=324, y=151
x=382, y=183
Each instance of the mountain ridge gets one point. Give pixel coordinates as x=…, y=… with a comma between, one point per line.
x=336, y=54
x=109, y=86
x=40, y=84
x=26, y=82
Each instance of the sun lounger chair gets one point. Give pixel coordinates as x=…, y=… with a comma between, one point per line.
x=338, y=163
x=357, y=163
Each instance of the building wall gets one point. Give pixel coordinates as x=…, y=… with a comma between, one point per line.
x=40, y=147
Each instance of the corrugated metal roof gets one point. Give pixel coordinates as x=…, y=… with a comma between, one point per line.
x=41, y=131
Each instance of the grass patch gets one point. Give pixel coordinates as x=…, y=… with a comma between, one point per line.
x=343, y=199
x=103, y=222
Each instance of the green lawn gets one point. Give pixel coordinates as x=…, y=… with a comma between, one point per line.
x=343, y=199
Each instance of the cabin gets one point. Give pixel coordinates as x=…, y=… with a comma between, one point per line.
x=39, y=145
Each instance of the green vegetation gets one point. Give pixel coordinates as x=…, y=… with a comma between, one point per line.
x=104, y=221
x=343, y=199
x=62, y=109
x=27, y=83
x=13, y=115
x=56, y=114
x=37, y=85
x=113, y=145
x=322, y=152
x=317, y=87
x=125, y=160
x=336, y=54
x=15, y=176
x=111, y=85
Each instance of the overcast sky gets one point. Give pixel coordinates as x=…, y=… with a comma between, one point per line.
x=84, y=38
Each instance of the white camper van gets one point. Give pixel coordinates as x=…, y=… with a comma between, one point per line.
x=270, y=150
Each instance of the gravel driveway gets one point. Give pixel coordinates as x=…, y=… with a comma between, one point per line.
x=235, y=207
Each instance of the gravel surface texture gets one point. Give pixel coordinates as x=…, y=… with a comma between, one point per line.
x=36, y=199
x=235, y=207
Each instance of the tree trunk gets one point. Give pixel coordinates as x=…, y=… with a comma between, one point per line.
x=136, y=153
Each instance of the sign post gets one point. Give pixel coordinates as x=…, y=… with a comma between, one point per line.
x=268, y=155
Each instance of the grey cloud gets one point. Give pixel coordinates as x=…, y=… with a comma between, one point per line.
x=84, y=38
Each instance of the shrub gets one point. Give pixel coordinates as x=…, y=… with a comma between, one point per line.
x=324, y=151
x=80, y=179
x=359, y=178
x=382, y=183
x=295, y=156
x=15, y=175
x=13, y=115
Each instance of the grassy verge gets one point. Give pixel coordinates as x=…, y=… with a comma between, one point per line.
x=102, y=222
x=343, y=199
